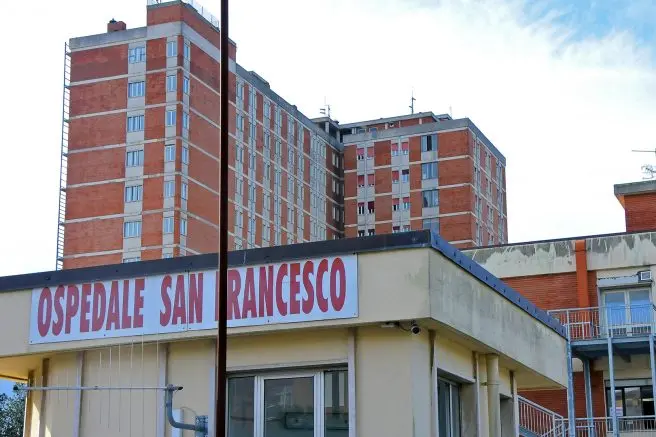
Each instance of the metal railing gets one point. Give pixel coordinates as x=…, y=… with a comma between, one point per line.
x=203, y=11
x=609, y=321
x=536, y=419
x=603, y=426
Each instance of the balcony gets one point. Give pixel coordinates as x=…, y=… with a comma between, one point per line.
x=600, y=323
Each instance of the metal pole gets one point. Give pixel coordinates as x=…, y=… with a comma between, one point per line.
x=220, y=429
x=588, y=396
x=613, y=403
x=571, y=413
x=652, y=362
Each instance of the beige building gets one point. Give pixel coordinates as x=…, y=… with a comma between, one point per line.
x=391, y=335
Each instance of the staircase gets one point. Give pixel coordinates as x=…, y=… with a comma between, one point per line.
x=537, y=421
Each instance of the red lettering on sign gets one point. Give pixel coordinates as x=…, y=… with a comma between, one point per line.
x=338, y=289
x=58, y=324
x=85, y=306
x=126, y=320
x=44, y=312
x=195, y=298
x=308, y=302
x=139, y=286
x=72, y=306
x=266, y=291
x=249, y=308
x=113, y=318
x=294, y=288
x=280, y=302
x=165, y=314
x=234, y=287
x=321, y=300
x=179, y=303
x=99, y=304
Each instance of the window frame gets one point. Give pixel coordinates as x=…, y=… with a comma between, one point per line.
x=168, y=149
x=171, y=49
x=136, y=123
x=139, y=86
x=165, y=229
x=171, y=83
x=168, y=122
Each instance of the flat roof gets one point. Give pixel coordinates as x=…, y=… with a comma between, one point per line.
x=632, y=188
x=358, y=245
x=395, y=118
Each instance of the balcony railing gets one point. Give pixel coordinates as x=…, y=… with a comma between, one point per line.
x=609, y=321
x=603, y=426
x=535, y=420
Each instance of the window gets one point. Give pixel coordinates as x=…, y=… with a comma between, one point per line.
x=185, y=120
x=429, y=170
x=131, y=229
x=395, y=150
x=361, y=208
x=633, y=401
x=405, y=148
x=370, y=180
x=360, y=181
x=136, y=123
x=429, y=143
x=187, y=51
x=395, y=177
x=488, y=160
x=132, y=260
x=137, y=54
x=395, y=230
x=183, y=226
x=170, y=117
x=136, y=89
x=489, y=186
x=431, y=223
x=627, y=312
x=184, y=188
x=396, y=204
x=240, y=124
x=171, y=48
x=370, y=207
x=405, y=228
x=370, y=153
x=185, y=85
x=448, y=408
x=134, y=158
x=240, y=94
x=371, y=232
x=167, y=225
x=360, y=154
x=405, y=175
x=169, y=153
x=167, y=255
x=478, y=233
x=267, y=114
x=133, y=193
x=361, y=233
x=429, y=198
x=406, y=203
x=185, y=155
x=169, y=188
x=171, y=83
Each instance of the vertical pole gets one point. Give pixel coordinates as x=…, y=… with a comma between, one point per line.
x=352, y=384
x=613, y=404
x=493, y=400
x=652, y=362
x=571, y=412
x=220, y=429
x=588, y=396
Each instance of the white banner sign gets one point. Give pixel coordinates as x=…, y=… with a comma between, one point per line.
x=296, y=291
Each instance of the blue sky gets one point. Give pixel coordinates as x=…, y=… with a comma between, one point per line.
x=564, y=92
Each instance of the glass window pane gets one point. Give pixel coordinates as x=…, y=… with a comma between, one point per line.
x=336, y=403
x=444, y=409
x=241, y=407
x=632, y=401
x=289, y=407
x=455, y=407
x=615, y=308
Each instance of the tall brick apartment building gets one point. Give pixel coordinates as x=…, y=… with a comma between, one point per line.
x=424, y=171
x=141, y=146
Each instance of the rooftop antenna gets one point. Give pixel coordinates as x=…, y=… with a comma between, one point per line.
x=648, y=170
x=326, y=109
x=412, y=102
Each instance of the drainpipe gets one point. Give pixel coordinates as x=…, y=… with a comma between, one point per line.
x=199, y=429
x=582, y=294
x=493, y=402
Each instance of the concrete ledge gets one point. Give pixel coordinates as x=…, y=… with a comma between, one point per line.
x=631, y=188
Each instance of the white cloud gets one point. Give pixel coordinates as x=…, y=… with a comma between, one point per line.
x=566, y=115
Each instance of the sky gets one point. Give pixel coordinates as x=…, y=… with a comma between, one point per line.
x=564, y=89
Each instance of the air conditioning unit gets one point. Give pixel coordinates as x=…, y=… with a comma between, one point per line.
x=644, y=276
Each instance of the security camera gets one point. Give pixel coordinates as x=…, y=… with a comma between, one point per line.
x=414, y=328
